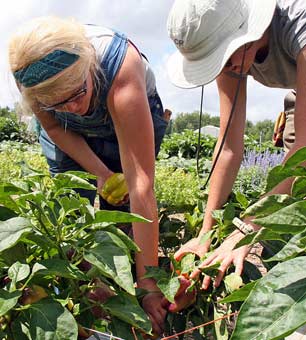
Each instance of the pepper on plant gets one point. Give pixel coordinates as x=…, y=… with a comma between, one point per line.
x=115, y=190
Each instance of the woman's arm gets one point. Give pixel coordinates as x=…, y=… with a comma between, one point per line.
x=129, y=108
x=229, y=161
x=226, y=254
x=73, y=145
x=128, y=105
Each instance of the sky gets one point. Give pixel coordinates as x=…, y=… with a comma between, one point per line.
x=144, y=22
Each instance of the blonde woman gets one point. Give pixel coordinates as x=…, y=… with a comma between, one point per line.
x=94, y=95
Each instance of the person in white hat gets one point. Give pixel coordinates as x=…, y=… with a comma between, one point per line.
x=227, y=40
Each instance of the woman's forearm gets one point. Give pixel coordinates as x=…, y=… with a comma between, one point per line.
x=77, y=148
x=146, y=235
x=221, y=184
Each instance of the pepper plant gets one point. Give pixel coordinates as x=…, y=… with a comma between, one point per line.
x=64, y=266
x=270, y=306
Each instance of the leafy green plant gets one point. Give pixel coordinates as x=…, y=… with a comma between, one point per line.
x=272, y=306
x=176, y=189
x=64, y=265
x=275, y=305
x=184, y=145
x=204, y=306
x=17, y=158
x=12, y=129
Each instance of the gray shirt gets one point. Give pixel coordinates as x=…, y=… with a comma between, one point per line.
x=287, y=36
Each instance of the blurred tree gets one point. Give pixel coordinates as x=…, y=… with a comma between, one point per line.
x=6, y=112
x=191, y=121
x=261, y=131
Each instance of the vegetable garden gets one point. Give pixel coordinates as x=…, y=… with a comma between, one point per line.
x=66, y=267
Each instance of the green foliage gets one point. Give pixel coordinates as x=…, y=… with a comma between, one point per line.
x=251, y=181
x=261, y=131
x=12, y=129
x=184, y=145
x=175, y=188
x=56, y=250
x=281, y=290
x=16, y=159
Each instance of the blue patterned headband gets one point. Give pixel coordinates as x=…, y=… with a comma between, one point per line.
x=45, y=68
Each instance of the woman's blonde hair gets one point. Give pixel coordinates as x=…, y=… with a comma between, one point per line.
x=40, y=37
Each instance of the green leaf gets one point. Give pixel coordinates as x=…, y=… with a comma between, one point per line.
x=276, y=305
x=279, y=173
x=295, y=246
x=13, y=254
x=229, y=213
x=18, y=272
x=8, y=300
x=48, y=319
x=288, y=220
x=6, y=213
x=257, y=236
x=12, y=230
x=58, y=267
x=107, y=237
x=233, y=282
x=212, y=270
x=169, y=287
x=81, y=174
x=112, y=262
x=242, y=200
x=206, y=236
x=126, y=308
x=69, y=204
x=68, y=180
x=156, y=273
x=117, y=217
x=240, y=294
x=129, y=243
x=299, y=187
x=187, y=263
x=220, y=326
x=121, y=329
x=296, y=159
x=268, y=205
x=7, y=189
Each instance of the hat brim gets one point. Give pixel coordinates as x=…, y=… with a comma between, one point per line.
x=186, y=73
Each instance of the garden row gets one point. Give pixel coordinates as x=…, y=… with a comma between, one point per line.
x=66, y=267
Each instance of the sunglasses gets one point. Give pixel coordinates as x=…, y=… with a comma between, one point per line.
x=77, y=95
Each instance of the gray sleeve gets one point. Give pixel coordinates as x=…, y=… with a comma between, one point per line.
x=293, y=25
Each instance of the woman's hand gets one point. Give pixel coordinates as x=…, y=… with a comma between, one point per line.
x=114, y=190
x=101, y=179
x=194, y=246
x=226, y=255
x=155, y=307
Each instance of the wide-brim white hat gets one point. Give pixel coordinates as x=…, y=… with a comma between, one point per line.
x=208, y=32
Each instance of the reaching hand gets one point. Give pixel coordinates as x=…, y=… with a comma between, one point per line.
x=155, y=307
x=192, y=246
x=113, y=189
x=226, y=255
